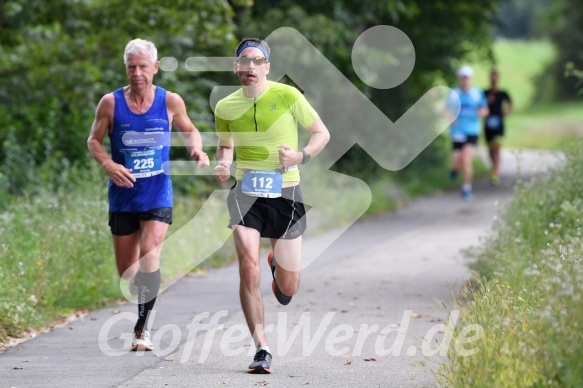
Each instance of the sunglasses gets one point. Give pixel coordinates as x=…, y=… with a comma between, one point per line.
x=245, y=61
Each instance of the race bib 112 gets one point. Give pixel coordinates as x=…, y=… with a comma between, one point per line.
x=262, y=183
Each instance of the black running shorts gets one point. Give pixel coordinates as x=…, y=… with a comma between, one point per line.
x=493, y=134
x=279, y=218
x=126, y=223
x=470, y=139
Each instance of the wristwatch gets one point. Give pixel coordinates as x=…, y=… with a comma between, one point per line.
x=306, y=157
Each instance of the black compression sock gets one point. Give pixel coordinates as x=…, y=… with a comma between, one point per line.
x=148, y=286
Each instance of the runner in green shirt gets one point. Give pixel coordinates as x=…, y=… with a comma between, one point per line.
x=258, y=123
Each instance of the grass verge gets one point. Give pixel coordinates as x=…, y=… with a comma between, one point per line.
x=53, y=259
x=529, y=292
x=552, y=126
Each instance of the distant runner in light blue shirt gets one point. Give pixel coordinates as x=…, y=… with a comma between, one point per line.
x=468, y=120
x=465, y=128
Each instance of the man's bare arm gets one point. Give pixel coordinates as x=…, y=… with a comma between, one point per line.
x=190, y=134
x=118, y=173
x=225, y=152
x=320, y=137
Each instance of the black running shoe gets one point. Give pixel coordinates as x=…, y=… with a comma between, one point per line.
x=261, y=363
x=280, y=296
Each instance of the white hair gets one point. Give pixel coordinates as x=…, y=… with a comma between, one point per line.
x=140, y=47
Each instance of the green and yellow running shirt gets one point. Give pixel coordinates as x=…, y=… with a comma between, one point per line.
x=258, y=125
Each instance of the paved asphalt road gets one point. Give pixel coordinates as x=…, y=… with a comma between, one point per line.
x=361, y=316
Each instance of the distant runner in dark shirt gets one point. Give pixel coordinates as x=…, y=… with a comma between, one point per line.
x=500, y=105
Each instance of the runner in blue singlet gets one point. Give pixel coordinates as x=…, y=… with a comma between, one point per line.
x=138, y=119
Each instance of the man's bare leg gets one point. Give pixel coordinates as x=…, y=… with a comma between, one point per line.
x=247, y=245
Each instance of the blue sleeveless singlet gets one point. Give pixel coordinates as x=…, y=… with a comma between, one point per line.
x=141, y=142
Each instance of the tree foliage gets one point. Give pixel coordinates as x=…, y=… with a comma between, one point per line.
x=561, y=21
x=443, y=33
x=523, y=19
x=58, y=58
x=567, y=34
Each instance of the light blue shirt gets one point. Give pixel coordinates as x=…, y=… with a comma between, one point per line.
x=468, y=121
